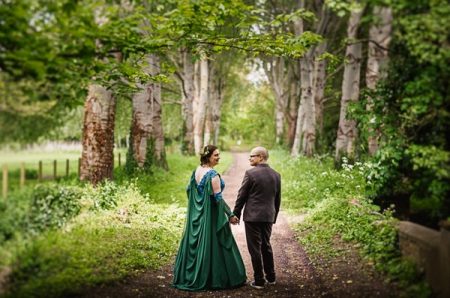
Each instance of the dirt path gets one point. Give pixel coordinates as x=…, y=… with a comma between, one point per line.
x=296, y=276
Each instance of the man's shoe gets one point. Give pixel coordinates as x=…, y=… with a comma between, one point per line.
x=271, y=283
x=255, y=286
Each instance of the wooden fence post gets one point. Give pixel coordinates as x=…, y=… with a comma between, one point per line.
x=54, y=170
x=67, y=167
x=22, y=175
x=5, y=181
x=40, y=171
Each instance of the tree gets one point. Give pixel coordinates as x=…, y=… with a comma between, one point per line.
x=411, y=106
x=97, y=159
x=379, y=38
x=347, y=131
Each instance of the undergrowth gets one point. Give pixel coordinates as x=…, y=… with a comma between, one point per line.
x=58, y=238
x=335, y=204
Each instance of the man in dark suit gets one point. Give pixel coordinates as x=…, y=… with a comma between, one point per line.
x=260, y=193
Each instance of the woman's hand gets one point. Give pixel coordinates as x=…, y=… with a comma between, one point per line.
x=234, y=220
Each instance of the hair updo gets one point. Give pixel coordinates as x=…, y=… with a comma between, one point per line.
x=206, y=153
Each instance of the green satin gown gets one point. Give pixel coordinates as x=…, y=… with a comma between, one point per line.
x=208, y=257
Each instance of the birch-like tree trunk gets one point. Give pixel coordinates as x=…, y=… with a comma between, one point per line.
x=305, y=134
x=295, y=151
x=97, y=158
x=276, y=71
x=200, y=105
x=298, y=29
x=319, y=83
x=159, y=151
x=209, y=130
x=216, y=90
x=379, y=39
x=188, y=95
x=307, y=99
x=293, y=101
x=347, y=132
x=141, y=123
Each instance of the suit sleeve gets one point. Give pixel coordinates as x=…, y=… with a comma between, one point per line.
x=242, y=195
x=277, y=199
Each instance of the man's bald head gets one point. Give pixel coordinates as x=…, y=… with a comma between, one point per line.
x=261, y=151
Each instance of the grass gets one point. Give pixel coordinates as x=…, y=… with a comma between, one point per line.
x=30, y=159
x=123, y=227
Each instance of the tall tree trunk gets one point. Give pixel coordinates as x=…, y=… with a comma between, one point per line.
x=200, y=105
x=379, y=39
x=347, y=132
x=319, y=84
x=217, y=100
x=97, y=158
x=275, y=69
x=159, y=152
x=307, y=100
x=297, y=144
x=298, y=131
x=305, y=134
x=188, y=95
x=141, y=125
x=293, y=102
x=209, y=130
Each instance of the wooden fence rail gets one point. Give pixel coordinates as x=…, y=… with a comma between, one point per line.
x=40, y=174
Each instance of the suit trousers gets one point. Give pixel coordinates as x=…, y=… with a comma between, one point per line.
x=258, y=244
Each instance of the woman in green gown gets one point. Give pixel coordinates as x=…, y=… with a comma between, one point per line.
x=208, y=257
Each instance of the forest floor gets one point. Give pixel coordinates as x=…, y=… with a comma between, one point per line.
x=344, y=276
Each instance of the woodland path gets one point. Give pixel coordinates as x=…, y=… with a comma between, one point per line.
x=296, y=276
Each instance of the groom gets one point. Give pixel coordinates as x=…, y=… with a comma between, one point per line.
x=260, y=193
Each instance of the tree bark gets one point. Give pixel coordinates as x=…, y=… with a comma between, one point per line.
x=293, y=102
x=307, y=99
x=142, y=122
x=215, y=99
x=159, y=152
x=275, y=69
x=319, y=85
x=188, y=95
x=305, y=135
x=209, y=130
x=97, y=158
x=347, y=132
x=200, y=105
x=379, y=39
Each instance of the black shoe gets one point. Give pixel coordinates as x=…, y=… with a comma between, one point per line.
x=255, y=286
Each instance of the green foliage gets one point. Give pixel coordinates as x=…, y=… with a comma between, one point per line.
x=248, y=116
x=52, y=206
x=335, y=205
x=98, y=247
x=120, y=229
x=307, y=182
x=104, y=196
x=13, y=215
x=411, y=112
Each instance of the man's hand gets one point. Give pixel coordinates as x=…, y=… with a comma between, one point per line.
x=234, y=220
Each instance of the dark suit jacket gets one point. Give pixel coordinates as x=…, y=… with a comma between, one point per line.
x=260, y=192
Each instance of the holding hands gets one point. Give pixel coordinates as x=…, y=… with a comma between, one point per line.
x=234, y=220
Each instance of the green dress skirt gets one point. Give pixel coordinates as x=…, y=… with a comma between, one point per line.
x=208, y=257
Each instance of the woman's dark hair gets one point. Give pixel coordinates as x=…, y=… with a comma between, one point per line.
x=206, y=153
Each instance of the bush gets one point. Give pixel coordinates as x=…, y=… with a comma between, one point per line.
x=52, y=205
x=98, y=246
